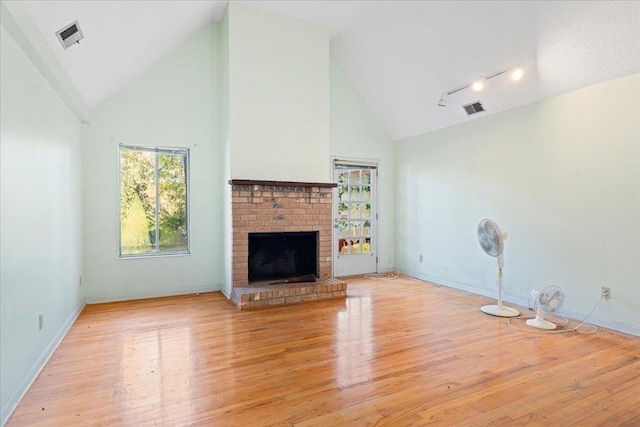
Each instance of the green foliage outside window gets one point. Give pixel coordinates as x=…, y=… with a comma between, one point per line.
x=153, y=201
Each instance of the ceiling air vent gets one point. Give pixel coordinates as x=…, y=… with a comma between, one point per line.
x=70, y=35
x=473, y=108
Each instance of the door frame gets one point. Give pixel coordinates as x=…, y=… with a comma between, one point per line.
x=364, y=163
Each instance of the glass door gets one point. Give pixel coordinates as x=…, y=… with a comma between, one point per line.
x=354, y=219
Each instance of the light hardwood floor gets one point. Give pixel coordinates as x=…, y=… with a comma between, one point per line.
x=393, y=353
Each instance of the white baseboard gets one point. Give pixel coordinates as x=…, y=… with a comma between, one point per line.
x=145, y=295
x=467, y=288
x=18, y=394
x=605, y=323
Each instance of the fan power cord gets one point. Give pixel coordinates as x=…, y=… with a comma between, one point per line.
x=385, y=277
x=574, y=329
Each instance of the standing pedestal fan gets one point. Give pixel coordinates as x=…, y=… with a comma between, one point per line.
x=492, y=239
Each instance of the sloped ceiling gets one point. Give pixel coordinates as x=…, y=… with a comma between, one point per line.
x=121, y=38
x=399, y=55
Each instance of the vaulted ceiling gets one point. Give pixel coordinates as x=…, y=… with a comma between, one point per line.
x=400, y=56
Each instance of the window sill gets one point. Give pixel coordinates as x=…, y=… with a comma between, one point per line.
x=157, y=255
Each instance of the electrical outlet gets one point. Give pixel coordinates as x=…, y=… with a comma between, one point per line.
x=420, y=258
x=40, y=321
x=605, y=293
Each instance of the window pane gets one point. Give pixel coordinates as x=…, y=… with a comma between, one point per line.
x=366, y=177
x=354, y=177
x=343, y=194
x=355, y=246
x=343, y=228
x=356, y=228
x=349, y=229
x=366, y=193
x=366, y=229
x=366, y=246
x=366, y=212
x=354, y=193
x=172, y=202
x=137, y=201
x=354, y=210
x=342, y=211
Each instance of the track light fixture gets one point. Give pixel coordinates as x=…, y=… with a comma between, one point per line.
x=516, y=73
x=443, y=100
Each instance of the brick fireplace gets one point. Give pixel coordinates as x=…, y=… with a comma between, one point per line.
x=269, y=207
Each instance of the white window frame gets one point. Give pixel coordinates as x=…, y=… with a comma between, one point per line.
x=157, y=150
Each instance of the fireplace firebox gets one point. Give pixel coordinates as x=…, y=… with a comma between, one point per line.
x=282, y=255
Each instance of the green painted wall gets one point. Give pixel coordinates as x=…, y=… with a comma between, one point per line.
x=40, y=221
x=356, y=133
x=562, y=176
x=170, y=104
x=279, y=97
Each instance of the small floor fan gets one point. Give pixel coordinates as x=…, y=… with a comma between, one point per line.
x=545, y=301
x=492, y=239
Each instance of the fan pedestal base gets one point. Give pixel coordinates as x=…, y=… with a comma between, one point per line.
x=540, y=323
x=500, y=310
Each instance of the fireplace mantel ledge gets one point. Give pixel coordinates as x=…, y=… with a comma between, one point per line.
x=282, y=183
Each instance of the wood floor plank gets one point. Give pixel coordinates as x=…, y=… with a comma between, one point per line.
x=390, y=354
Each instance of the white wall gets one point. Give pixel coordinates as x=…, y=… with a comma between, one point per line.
x=279, y=97
x=40, y=232
x=169, y=105
x=357, y=134
x=562, y=176
x=221, y=64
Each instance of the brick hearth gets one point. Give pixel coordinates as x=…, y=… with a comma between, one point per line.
x=259, y=296
x=270, y=207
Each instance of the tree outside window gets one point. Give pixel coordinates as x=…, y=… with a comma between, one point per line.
x=153, y=201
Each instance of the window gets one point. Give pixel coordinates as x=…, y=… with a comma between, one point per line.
x=154, y=199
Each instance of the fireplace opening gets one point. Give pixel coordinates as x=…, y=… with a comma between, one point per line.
x=282, y=255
